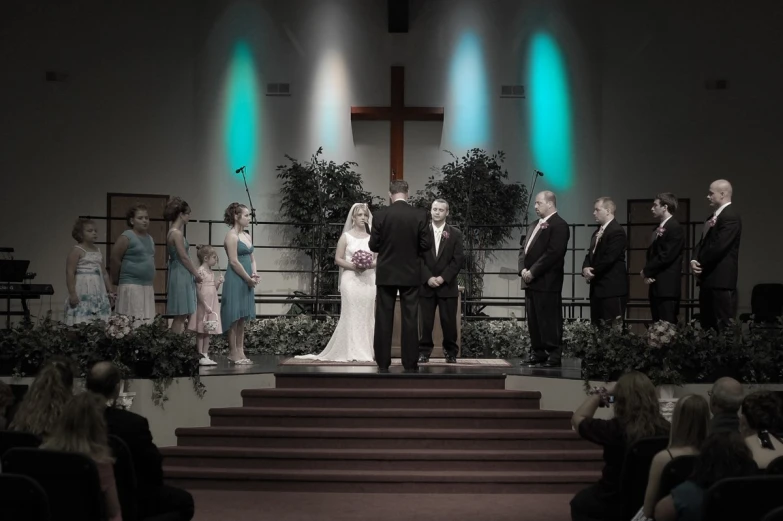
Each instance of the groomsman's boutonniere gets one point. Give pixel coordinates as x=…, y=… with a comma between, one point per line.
x=659, y=231
x=445, y=235
x=544, y=225
x=711, y=222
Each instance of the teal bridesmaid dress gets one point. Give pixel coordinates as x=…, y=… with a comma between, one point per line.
x=238, y=299
x=181, y=287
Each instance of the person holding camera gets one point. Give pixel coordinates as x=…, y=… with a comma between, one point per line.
x=637, y=415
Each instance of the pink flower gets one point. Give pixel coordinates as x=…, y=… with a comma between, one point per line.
x=445, y=235
x=362, y=259
x=544, y=225
x=659, y=231
x=711, y=222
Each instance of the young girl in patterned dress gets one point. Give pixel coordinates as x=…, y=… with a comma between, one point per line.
x=206, y=320
x=89, y=289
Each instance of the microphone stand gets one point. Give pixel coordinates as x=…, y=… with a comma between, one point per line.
x=527, y=208
x=469, y=235
x=252, y=210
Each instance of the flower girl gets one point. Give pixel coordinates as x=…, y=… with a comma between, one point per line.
x=206, y=320
x=86, y=278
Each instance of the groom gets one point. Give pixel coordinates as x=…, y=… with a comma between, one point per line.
x=399, y=234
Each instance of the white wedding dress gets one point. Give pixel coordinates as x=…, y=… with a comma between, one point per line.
x=352, y=340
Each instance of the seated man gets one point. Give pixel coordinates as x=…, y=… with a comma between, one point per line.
x=725, y=400
x=155, y=498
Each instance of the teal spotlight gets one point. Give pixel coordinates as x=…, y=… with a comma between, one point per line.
x=550, y=111
x=242, y=111
x=470, y=93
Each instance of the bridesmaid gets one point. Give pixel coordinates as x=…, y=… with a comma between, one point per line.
x=183, y=276
x=238, y=302
x=133, y=267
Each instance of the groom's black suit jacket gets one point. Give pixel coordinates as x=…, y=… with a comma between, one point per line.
x=664, y=260
x=446, y=263
x=718, y=251
x=399, y=234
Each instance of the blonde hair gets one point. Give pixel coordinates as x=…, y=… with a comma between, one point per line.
x=81, y=428
x=690, y=422
x=636, y=407
x=45, y=400
x=203, y=252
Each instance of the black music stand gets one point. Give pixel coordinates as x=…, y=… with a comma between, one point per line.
x=13, y=271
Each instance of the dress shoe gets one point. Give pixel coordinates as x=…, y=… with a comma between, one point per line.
x=383, y=370
x=451, y=359
x=411, y=370
x=423, y=359
x=552, y=363
x=534, y=360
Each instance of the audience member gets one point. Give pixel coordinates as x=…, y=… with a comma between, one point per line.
x=725, y=400
x=41, y=406
x=81, y=428
x=722, y=455
x=6, y=399
x=637, y=415
x=761, y=426
x=155, y=498
x=689, y=429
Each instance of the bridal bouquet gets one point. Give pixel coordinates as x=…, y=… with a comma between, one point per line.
x=118, y=326
x=362, y=259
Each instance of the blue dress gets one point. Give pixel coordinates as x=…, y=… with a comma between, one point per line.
x=238, y=299
x=181, y=285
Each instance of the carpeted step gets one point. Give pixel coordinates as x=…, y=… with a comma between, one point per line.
x=380, y=481
x=389, y=418
x=393, y=398
x=393, y=380
x=383, y=459
x=382, y=438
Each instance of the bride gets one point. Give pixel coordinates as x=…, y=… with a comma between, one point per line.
x=352, y=340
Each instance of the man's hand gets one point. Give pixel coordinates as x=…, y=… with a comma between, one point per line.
x=440, y=280
x=648, y=280
x=433, y=282
x=527, y=276
x=588, y=274
x=695, y=267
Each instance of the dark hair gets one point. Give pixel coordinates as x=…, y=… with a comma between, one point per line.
x=398, y=186
x=690, y=422
x=637, y=409
x=175, y=207
x=230, y=215
x=103, y=378
x=78, y=228
x=132, y=211
x=669, y=200
x=762, y=411
x=722, y=455
x=46, y=397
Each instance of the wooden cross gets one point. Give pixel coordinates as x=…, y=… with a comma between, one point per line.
x=398, y=114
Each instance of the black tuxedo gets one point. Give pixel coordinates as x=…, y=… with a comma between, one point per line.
x=545, y=259
x=664, y=264
x=154, y=497
x=718, y=254
x=446, y=264
x=399, y=234
x=609, y=287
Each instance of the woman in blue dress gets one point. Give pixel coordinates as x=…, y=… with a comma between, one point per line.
x=238, y=302
x=183, y=275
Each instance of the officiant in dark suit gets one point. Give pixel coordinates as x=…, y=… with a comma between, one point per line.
x=716, y=259
x=541, y=266
x=663, y=269
x=399, y=234
x=440, y=266
x=604, y=265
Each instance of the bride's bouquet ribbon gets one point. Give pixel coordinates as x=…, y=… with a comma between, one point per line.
x=362, y=259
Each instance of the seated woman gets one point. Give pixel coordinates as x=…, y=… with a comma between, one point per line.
x=761, y=426
x=722, y=455
x=690, y=423
x=41, y=406
x=81, y=428
x=637, y=415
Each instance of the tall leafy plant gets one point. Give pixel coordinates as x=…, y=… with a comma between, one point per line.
x=316, y=197
x=482, y=203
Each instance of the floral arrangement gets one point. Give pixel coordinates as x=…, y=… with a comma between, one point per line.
x=362, y=259
x=119, y=326
x=661, y=334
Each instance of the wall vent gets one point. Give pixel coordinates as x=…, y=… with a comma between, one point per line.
x=278, y=89
x=512, y=91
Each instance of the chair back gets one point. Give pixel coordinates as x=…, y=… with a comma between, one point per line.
x=125, y=477
x=766, y=302
x=674, y=473
x=775, y=515
x=636, y=471
x=71, y=481
x=23, y=499
x=14, y=439
x=747, y=498
x=775, y=466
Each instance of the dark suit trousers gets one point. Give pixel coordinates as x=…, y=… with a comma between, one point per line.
x=664, y=308
x=607, y=309
x=385, y=298
x=448, y=322
x=545, y=322
x=717, y=307
x=166, y=503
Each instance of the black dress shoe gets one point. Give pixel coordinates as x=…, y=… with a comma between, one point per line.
x=451, y=359
x=534, y=360
x=411, y=370
x=552, y=363
x=383, y=369
x=423, y=359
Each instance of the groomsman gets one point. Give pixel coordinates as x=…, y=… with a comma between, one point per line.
x=604, y=265
x=439, y=268
x=716, y=259
x=663, y=269
x=541, y=266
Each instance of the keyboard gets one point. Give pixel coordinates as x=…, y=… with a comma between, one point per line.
x=20, y=290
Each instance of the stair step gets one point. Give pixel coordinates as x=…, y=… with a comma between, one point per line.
x=389, y=417
x=382, y=459
x=383, y=438
x=392, y=398
x=389, y=381
x=381, y=481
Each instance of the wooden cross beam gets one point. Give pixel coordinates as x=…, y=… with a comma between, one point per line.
x=398, y=114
